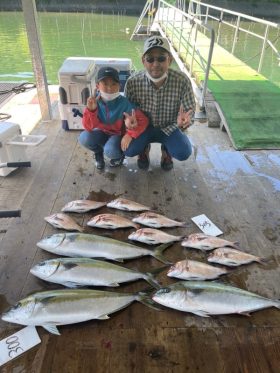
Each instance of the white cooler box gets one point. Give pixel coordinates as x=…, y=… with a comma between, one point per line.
x=77, y=82
x=13, y=145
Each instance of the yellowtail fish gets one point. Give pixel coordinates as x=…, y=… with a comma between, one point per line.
x=205, y=242
x=152, y=236
x=82, y=205
x=153, y=220
x=95, y=246
x=127, y=205
x=62, y=307
x=110, y=221
x=63, y=221
x=233, y=257
x=75, y=272
x=204, y=298
x=194, y=270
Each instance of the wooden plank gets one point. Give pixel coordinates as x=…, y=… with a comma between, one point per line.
x=139, y=338
x=155, y=349
x=37, y=204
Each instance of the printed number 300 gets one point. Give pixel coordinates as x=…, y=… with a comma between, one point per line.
x=13, y=346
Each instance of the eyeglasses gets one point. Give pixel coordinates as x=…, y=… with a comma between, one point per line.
x=158, y=59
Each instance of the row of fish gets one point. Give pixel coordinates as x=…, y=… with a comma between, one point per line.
x=81, y=270
x=85, y=205
x=113, y=221
x=226, y=252
x=62, y=307
x=95, y=246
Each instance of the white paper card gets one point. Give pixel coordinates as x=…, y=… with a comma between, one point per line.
x=16, y=344
x=206, y=225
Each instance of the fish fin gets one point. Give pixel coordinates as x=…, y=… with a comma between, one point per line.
x=157, y=253
x=244, y=314
x=72, y=285
x=103, y=317
x=156, y=271
x=51, y=328
x=201, y=313
x=114, y=284
x=120, y=260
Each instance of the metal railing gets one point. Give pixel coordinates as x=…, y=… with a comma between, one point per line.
x=182, y=29
x=203, y=12
x=148, y=15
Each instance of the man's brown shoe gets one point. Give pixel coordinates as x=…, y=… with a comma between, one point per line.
x=143, y=160
x=166, y=159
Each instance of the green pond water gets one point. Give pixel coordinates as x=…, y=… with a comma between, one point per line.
x=65, y=35
x=97, y=35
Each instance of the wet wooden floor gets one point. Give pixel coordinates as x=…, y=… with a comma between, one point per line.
x=238, y=191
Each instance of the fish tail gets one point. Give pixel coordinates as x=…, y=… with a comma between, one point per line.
x=185, y=225
x=181, y=238
x=264, y=261
x=236, y=245
x=157, y=253
x=145, y=298
x=152, y=281
x=149, y=276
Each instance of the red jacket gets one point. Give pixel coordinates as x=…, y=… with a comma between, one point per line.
x=109, y=118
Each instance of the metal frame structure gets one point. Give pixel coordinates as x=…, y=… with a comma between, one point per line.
x=148, y=10
x=188, y=25
x=202, y=11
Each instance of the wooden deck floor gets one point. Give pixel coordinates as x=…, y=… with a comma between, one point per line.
x=238, y=191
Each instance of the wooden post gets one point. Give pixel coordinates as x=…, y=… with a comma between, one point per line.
x=30, y=16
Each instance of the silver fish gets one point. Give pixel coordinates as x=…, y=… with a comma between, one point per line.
x=94, y=246
x=74, y=272
x=110, y=221
x=127, y=205
x=153, y=220
x=204, y=298
x=153, y=236
x=63, y=221
x=62, y=307
x=205, y=242
x=82, y=205
x=193, y=270
x=233, y=257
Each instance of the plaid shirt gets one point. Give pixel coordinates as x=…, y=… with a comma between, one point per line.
x=161, y=105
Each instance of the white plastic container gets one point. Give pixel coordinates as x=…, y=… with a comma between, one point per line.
x=77, y=82
x=13, y=145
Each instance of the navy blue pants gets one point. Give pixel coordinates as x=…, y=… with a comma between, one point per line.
x=98, y=141
x=177, y=144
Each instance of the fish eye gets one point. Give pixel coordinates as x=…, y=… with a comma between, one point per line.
x=164, y=290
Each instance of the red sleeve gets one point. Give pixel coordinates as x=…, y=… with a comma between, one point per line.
x=142, y=124
x=90, y=120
